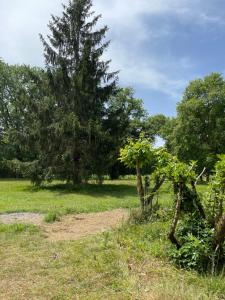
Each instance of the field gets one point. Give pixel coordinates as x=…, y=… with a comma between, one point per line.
x=126, y=263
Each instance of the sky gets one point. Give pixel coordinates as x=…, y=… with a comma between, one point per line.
x=158, y=45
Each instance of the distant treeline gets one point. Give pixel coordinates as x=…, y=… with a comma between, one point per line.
x=69, y=120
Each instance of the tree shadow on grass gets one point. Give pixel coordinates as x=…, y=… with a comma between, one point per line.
x=94, y=190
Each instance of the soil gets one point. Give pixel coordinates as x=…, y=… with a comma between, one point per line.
x=27, y=218
x=70, y=227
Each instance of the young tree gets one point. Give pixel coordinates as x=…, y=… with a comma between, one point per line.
x=197, y=230
x=139, y=154
x=81, y=86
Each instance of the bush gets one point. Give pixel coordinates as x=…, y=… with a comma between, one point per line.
x=194, y=254
x=195, y=236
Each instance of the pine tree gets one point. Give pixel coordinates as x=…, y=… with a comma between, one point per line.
x=80, y=84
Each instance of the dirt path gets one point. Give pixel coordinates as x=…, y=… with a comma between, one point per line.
x=70, y=227
x=27, y=218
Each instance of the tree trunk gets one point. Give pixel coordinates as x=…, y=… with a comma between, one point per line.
x=197, y=201
x=171, y=234
x=219, y=236
x=76, y=178
x=100, y=179
x=156, y=187
x=140, y=188
x=114, y=172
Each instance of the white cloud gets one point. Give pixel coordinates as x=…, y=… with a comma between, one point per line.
x=166, y=74
x=148, y=73
x=122, y=12
x=22, y=20
x=20, y=24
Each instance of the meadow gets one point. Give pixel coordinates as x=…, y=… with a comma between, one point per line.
x=130, y=262
x=21, y=196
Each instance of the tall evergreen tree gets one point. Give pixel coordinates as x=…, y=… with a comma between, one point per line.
x=81, y=86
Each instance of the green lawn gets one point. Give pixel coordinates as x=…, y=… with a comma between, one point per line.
x=128, y=263
x=21, y=196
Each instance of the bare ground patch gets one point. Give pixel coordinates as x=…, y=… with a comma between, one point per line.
x=27, y=218
x=70, y=227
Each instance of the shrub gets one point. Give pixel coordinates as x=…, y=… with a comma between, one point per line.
x=194, y=254
x=196, y=238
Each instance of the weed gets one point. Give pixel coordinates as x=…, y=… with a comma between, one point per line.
x=52, y=217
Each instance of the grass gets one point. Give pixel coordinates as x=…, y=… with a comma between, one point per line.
x=51, y=217
x=128, y=263
x=17, y=228
x=21, y=196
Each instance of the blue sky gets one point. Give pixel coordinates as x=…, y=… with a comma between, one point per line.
x=158, y=45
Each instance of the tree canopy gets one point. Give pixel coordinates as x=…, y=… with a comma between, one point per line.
x=80, y=85
x=198, y=131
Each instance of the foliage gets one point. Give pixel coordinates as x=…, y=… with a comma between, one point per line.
x=126, y=115
x=196, y=237
x=139, y=154
x=161, y=165
x=125, y=118
x=22, y=93
x=178, y=171
x=202, y=236
x=27, y=116
x=80, y=86
x=219, y=176
x=216, y=195
x=194, y=254
x=198, y=131
x=199, y=241
x=156, y=125
x=140, y=151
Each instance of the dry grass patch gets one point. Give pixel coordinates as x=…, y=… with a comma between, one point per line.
x=71, y=227
x=121, y=264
